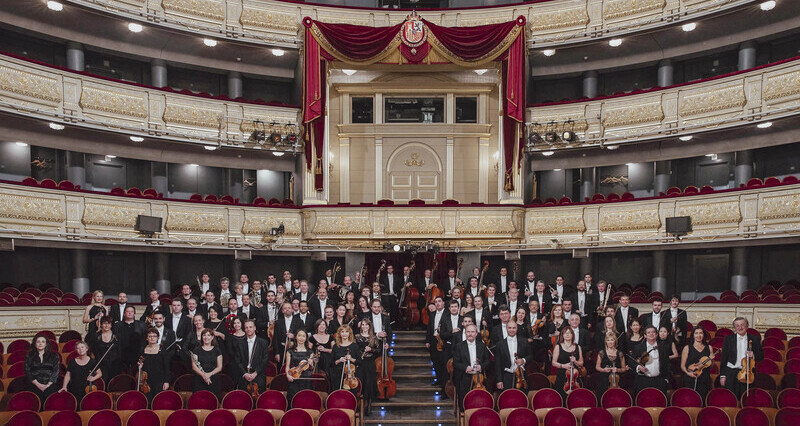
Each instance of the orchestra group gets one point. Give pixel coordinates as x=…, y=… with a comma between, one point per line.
x=479, y=336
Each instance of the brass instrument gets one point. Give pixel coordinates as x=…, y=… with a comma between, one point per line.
x=224, y=298
x=602, y=309
x=255, y=297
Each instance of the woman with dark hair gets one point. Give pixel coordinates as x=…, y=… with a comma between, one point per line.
x=299, y=350
x=41, y=368
x=105, y=346
x=216, y=324
x=321, y=342
x=635, y=335
x=369, y=347
x=567, y=352
x=667, y=339
x=155, y=362
x=350, y=304
x=78, y=377
x=339, y=318
x=691, y=354
x=206, y=364
x=362, y=310
x=236, y=337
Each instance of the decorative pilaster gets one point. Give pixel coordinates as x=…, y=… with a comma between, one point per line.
x=483, y=170
x=378, y=168
x=450, y=170
x=344, y=170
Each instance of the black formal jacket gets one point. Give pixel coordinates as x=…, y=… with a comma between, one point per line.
x=397, y=283
x=502, y=360
x=729, y=354
x=663, y=357
x=260, y=356
x=567, y=293
x=313, y=306
x=486, y=315
x=447, y=330
x=633, y=313
x=646, y=320
x=588, y=305
x=149, y=310
x=279, y=335
x=429, y=335
x=681, y=323
x=115, y=313
x=203, y=309
x=496, y=334
x=461, y=359
x=584, y=341
x=184, y=326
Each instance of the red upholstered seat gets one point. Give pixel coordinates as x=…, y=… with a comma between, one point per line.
x=203, y=400
x=627, y=196
x=651, y=397
x=512, y=398
x=297, y=417
x=767, y=366
x=132, y=400
x=307, y=399
x=25, y=418
x=334, y=417
x=260, y=201
x=195, y=197
x=258, y=417
x=794, y=342
x=182, y=418
x=750, y=416
x=721, y=397
x=757, y=398
x=167, y=400
x=598, y=198
x=674, y=416
x=635, y=416
x=537, y=381
x=22, y=401
x=121, y=383
x=772, y=181
x=29, y=181
x=48, y=183
x=790, y=179
x=581, y=398
x=686, y=397
x=522, y=417
x=546, y=398
x=792, y=366
x=279, y=383
x=70, y=418
x=61, y=401
x=616, y=397
x=18, y=345
x=97, y=400
x=774, y=342
x=117, y=191
x=787, y=417
x=713, y=416
x=691, y=190
x=134, y=192
x=237, y=400
x=754, y=183
x=144, y=418
x=484, y=417
x=343, y=399
x=723, y=333
x=220, y=418
x=560, y=417
x=613, y=197
x=273, y=400
x=478, y=398
x=772, y=354
x=183, y=383
x=597, y=416
x=211, y=198
x=105, y=418
x=789, y=397
x=15, y=370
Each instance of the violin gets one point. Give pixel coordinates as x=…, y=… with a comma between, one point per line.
x=141, y=382
x=302, y=366
x=252, y=389
x=613, y=379
x=439, y=341
x=91, y=386
x=478, y=381
x=748, y=364
x=349, y=380
x=572, y=376
x=703, y=363
x=271, y=330
x=384, y=365
x=410, y=310
x=519, y=376
x=537, y=325
x=432, y=293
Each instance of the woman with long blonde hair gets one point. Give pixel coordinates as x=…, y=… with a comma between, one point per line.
x=345, y=349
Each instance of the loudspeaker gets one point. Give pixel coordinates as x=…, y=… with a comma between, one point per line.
x=319, y=256
x=679, y=225
x=243, y=255
x=582, y=253
x=148, y=224
x=511, y=255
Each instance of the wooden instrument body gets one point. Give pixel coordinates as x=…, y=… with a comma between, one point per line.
x=478, y=381
x=298, y=370
x=409, y=305
x=431, y=294
x=387, y=387
x=519, y=377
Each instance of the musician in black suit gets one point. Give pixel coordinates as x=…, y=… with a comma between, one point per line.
x=481, y=316
x=657, y=318
x=178, y=322
x=381, y=323
x=499, y=333
x=473, y=289
x=208, y=302
x=736, y=347
x=306, y=318
x=450, y=326
x=285, y=326
x=319, y=302
x=131, y=334
x=392, y=285
x=432, y=336
x=582, y=302
x=561, y=291
x=502, y=281
x=581, y=334
x=450, y=282
x=514, y=352
x=118, y=311
x=599, y=299
x=166, y=337
x=655, y=373
x=679, y=325
x=199, y=290
x=154, y=305
x=491, y=302
x=253, y=312
x=251, y=358
x=625, y=314
x=470, y=357
x=543, y=296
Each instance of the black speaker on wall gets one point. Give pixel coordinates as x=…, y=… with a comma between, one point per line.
x=148, y=224
x=679, y=225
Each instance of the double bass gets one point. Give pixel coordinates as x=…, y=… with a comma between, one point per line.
x=384, y=365
x=409, y=309
x=431, y=294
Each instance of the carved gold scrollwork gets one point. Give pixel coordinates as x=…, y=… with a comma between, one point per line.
x=621, y=8
x=779, y=207
x=112, y=215
x=635, y=114
x=629, y=220
x=485, y=225
x=712, y=213
x=269, y=20
x=715, y=99
x=192, y=116
x=342, y=225
x=113, y=101
x=556, y=224
x=781, y=86
x=28, y=84
x=195, y=221
x=31, y=208
x=204, y=8
x=559, y=18
x=414, y=225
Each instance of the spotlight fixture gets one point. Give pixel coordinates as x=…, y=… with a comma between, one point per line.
x=612, y=147
x=764, y=125
x=481, y=71
x=615, y=42
x=396, y=248
x=556, y=170
x=713, y=157
x=135, y=28
x=137, y=139
x=568, y=135
x=549, y=52
x=767, y=5
x=193, y=165
x=21, y=144
x=533, y=135
x=210, y=42
x=686, y=138
x=689, y=27
x=210, y=147
x=547, y=153
x=278, y=52
x=278, y=153
x=56, y=126
x=258, y=135
x=55, y=6
x=276, y=232
x=349, y=72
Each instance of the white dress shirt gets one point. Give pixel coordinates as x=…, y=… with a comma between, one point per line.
x=473, y=353
x=437, y=318
x=288, y=322
x=287, y=285
x=652, y=366
x=204, y=287
x=656, y=320
x=582, y=303
x=624, y=312
x=191, y=314
x=390, y=283
x=673, y=312
x=474, y=291
x=741, y=351
x=245, y=288
x=176, y=319
x=454, y=321
x=322, y=305
x=478, y=317
x=122, y=310
x=512, y=350
x=512, y=306
x=251, y=343
x=160, y=333
x=246, y=311
x=377, y=322
x=530, y=286
x=503, y=283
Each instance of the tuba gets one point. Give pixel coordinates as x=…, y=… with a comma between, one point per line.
x=255, y=297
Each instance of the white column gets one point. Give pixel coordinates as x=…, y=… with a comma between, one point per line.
x=378, y=169
x=450, y=109
x=379, y=108
x=450, y=170
x=483, y=108
x=344, y=170
x=483, y=170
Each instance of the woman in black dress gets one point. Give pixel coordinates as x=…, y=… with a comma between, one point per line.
x=345, y=349
x=339, y=318
x=78, y=377
x=556, y=323
x=195, y=339
x=610, y=360
x=368, y=346
x=667, y=339
x=350, y=304
x=41, y=368
x=217, y=326
x=691, y=354
x=155, y=362
x=322, y=342
x=105, y=345
x=235, y=338
x=93, y=313
x=300, y=350
x=206, y=364
x=523, y=326
x=606, y=326
x=362, y=311
x=635, y=335
x=566, y=352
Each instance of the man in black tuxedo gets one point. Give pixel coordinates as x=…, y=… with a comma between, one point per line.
x=285, y=326
x=541, y=295
x=306, y=318
x=210, y=300
x=199, y=290
x=625, y=314
x=166, y=337
x=178, y=322
x=450, y=282
x=462, y=335
x=502, y=281
x=154, y=305
x=251, y=358
x=271, y=309
x=600, y=299
x=679, y=325
x=451, y=325
x=481, y=316
x=381, y=323
x=191, y=309
x=657, y=318
x=499, y=333
x=318, y=303
x=582, y=302
x=470, y=357
x=656, y=372
x=391, y=284
x=473, y=289
x=249, y=311
x=581, y=334
x=512, y=353
x=439, y=358
x=736, y=347
x=561, y=291
x=131, y=334
x=117, y=311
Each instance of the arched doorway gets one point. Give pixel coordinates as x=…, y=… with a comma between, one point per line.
x=414, y=172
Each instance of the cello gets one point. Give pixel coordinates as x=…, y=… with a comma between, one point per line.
x=431, y=294
x=384, y=365
x=410, y=312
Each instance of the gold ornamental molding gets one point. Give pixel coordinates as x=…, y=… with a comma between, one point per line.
x=571, y=223
x=192, y=116
x=414, y=225
x=29, y=85
x=268, y=20
x=112, y=215
x=485, y=225
x=782, y=85
x=113, y=101
x=630, y=220
x=636, y=114
x=31, y=208
x=203, y=8
x=559, y=18
x=711, y=213
x=196, y=221
x=255, y=224
x=342, y=225
x=713, y=100
x=780, y=207
x=621, y=8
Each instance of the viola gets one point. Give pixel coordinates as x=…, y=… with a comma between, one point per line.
x=91, y=386
x=439, y=341
x=431, y=294
x=349, y=380
x=270, y=330
x=537, y=325
x=449, y=386
x=141, y=382
x=703, y=363
x=408, y=302
x=485, y=336
x=613, y=379
x=519, y=376
x=478, y=381
x=384, y=365
x=748, y=364
x=252, y=389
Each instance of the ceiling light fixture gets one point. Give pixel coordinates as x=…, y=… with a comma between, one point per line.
x=481, y=71
x=556, y=170
x=193, y=165
x=111, y=156
x=549, y=52
x=210, y=147
x=278, y=153
x=55, y=6
x=612, y=147
x=21, y=144
x=210, y=42
x=547, y=153
x=349, y=72
x=686, y=138
x=767, y=5
x=689, y=27
x=764, y=125
x=134, y=27
x=137, y=139
x=56, y=126
x=615, y=42
x=278, y=52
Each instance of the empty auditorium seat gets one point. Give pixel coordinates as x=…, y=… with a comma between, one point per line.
x=721, y=397
x=616, y=397
x=167, y=400
x=651, y=397
x=272, y=399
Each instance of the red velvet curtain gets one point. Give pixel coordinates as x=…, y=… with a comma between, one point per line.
x=314, y=108
x=472, y=43
x=356, y=42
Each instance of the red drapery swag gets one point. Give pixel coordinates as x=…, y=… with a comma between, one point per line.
x=463, y=46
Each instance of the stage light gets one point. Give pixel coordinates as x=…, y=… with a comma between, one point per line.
x=210, y=147
x=21, y=144
x=568, y=136
x=278, y=153
x=134, y=27
x=137, y=139
x=612, y=147
x=396, y=248
x=767, y=5
x=689, y=27
x=278, y=52
x=349, y=72
x=55, y=6
x=615, y=42
x=556, y=170
x=210, y=42
x=549, y=52
x=547, y=153
x=686, y=138
x=56, y=126
x=764, y=125
x=193, y=165
x=481, y=71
